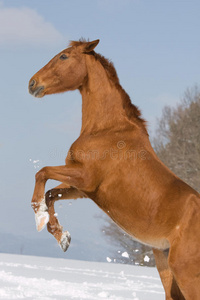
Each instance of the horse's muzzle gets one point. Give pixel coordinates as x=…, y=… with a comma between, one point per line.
x=36, y=91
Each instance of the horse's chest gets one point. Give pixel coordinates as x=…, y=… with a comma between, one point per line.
x=89, y=151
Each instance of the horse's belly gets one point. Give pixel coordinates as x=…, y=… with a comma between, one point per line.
x=148, y=238
x=131, y=218
x=161, y=243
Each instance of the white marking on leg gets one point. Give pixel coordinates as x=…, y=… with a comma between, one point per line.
x=42, y=215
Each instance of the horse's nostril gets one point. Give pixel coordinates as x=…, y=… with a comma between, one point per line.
x=32, y=83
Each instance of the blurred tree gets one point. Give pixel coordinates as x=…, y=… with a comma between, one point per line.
x=177, y=144
x=177, y=141
x=127, y=250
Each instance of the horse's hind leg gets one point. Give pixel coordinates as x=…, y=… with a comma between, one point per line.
x=184, y=254
x=172, y=290
x=184, y=261
x=53, y=226
x=186, y=269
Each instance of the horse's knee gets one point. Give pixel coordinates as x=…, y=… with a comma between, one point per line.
x=41, y=175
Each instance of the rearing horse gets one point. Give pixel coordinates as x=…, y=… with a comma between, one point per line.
x=113, y=163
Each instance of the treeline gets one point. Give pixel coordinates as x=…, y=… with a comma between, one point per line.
x=177, y=140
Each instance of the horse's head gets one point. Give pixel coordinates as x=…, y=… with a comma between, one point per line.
x=66, y=71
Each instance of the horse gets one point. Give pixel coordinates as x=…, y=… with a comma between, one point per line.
x=113, y=163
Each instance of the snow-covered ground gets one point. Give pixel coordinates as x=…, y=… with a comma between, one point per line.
x=30, y=277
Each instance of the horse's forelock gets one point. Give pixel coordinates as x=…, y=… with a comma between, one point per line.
x=77, y=43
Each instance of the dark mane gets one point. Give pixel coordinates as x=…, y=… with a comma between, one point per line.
x=132, y=111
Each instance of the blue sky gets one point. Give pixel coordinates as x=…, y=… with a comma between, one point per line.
x=155, y=47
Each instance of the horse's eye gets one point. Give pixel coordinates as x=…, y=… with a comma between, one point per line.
x=63, y=56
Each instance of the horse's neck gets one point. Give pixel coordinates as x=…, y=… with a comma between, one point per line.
x=101, y=101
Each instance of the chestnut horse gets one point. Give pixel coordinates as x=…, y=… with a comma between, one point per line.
x=113, y=163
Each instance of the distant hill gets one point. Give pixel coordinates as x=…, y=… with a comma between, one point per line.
x=14, y=244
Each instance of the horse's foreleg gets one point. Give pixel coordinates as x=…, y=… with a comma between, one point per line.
x=69, y=176
x=39, y=205
x=53, y=226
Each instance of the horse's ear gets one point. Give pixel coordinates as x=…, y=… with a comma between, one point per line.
x=88, y=47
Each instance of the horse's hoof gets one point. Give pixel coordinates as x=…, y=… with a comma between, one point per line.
x=42, y=216
x=65, y=241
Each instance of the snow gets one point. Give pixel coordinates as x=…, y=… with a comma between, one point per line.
x=108, y=259
x=125, y=254
x=146, y=258
x=35, y=163
x=29, y=277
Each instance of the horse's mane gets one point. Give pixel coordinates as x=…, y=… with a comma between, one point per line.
x=132, y=111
